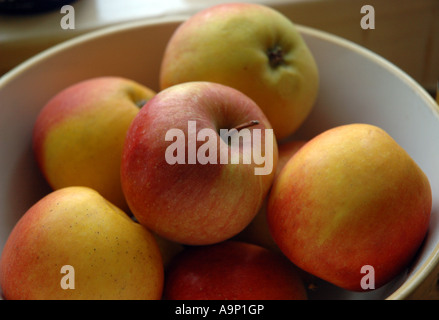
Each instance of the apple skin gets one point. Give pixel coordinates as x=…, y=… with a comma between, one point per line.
x=113, y=257
x=257, y=232
x=350, y=197
x=192, y=204
x=79, y=134
x=232, y=270
x=168, y=249
x=286, y=151
x=230, y=44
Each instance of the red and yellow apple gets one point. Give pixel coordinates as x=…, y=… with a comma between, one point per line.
x=252, y=48
x=173, y=174
x=350, y=198
x=111, y=256
x=232, y=270
x=79, y=134
x=257, y=232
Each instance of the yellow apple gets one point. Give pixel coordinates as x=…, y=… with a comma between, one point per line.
x=252, y=48
x=351, y=205
x=79, y=134
x=108, y=255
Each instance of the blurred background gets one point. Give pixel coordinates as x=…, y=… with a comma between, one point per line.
x=406, y=31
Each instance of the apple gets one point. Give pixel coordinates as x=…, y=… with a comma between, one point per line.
x=257, y=232
x=286, y=151
x=252, y=48
x=232, y=270
x=185, y=174
x=168, y=249
x=78, y=135
x=351, y=207
x=109, y=255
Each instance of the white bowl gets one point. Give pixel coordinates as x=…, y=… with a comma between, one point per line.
x=356, y=86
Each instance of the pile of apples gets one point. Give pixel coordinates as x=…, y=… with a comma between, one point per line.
x=131, y=225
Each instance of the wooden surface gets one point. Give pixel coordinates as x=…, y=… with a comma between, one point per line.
x=406, y=31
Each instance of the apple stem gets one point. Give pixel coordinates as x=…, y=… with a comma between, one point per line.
x=247, y=125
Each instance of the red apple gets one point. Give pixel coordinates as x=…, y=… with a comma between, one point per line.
x=232, y=270
x=351, y=207
x=181, y=179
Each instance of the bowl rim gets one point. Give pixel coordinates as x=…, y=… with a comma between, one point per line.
x=432, y=261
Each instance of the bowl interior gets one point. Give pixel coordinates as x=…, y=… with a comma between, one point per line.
x=356, y=86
